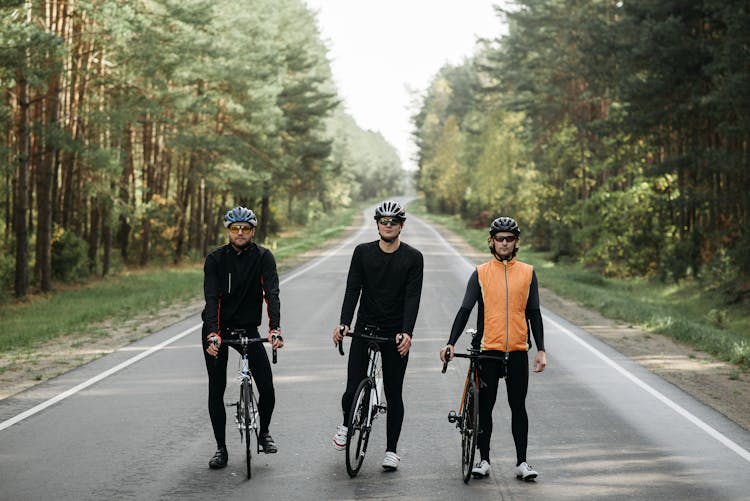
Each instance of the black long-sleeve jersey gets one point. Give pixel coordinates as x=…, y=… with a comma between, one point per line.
x=235, y=284
x=390, y=286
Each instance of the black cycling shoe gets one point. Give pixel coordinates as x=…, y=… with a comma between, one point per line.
x=267, y=443
x=220, y=459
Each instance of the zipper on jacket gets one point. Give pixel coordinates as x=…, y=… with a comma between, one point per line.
x=507, y=320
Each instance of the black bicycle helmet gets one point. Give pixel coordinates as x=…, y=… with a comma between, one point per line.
x=390, y=208
x=505, y=223
x=240, y=215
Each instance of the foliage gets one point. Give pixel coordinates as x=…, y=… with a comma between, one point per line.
x=616, y=132
x=146, y=120
x=70, y=257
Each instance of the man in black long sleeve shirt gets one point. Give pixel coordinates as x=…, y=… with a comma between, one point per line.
x=238, y=277
x=385, y=277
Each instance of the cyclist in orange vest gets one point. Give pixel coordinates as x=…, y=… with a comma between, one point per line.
x=508, y=296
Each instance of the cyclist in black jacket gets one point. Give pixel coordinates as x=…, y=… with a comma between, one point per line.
x=238, y=277
x=385, y=277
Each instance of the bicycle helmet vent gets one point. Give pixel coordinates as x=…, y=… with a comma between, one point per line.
x=240, y=215
x=505, y=223
x=390, y=208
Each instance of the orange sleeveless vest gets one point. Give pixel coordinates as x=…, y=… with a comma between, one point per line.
x=505, y=291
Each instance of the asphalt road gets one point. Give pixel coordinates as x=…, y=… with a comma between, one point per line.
x=134, y=424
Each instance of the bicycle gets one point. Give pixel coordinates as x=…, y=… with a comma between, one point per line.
x=367, y=402
x=468, y=418
x=246, y=408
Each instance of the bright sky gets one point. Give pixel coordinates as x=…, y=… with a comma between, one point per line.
x=384, y=54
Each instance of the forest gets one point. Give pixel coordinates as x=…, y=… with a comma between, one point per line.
x=616, y=132
x=129, y=127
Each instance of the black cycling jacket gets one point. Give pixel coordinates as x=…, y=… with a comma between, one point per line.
x=235, y=283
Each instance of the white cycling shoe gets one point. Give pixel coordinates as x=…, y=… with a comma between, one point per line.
x=391, y=461
x=481, y=470
x=525, y=472
x=339, y=439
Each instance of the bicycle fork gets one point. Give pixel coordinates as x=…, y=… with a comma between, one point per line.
x=453, y=417
x=376, y=392
x=239, y=414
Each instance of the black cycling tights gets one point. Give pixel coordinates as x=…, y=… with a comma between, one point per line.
x=217, y=383
x=394, y=368
x=516, y=384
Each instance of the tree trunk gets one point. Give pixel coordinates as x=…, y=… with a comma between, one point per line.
x=45, y=178
x=93, y=237
x=21, y=206
x=107, y=232
x=124, y=226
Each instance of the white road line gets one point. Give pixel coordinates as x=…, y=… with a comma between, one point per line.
x=95, y=379
x=72, y=391
x=710, y=431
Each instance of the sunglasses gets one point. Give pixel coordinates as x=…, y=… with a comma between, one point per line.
x=509, y=238
x=236, y=228
x=389, y=221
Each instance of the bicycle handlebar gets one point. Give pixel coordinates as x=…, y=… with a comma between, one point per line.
x=246, y=341
x=473, y=354
x=365, y=335
x=447, y=359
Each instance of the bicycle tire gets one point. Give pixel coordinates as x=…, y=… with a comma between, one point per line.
x=469, y=421
x=358, y=431
x=247, y=416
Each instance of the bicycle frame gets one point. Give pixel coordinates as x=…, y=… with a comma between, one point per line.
x=246, y=414
x=367, y=402
x=467, y=419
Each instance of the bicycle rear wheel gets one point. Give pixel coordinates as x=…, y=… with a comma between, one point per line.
x=358, y=433
x=469, y=421
x=246, y=403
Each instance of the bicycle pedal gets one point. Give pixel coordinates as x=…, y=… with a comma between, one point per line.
x=382, y=409
x=452, y=417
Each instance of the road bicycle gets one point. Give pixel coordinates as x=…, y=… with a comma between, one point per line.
x=367, y=402
x=246, y=408
x=467, y=419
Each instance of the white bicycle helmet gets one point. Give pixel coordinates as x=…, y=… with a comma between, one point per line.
x=390, y=208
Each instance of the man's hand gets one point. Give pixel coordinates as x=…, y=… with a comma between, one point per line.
x=339, y=333
x=403, y=343
x=278, y=342
x=540, y=361
x=442, y=352
x=214, y=341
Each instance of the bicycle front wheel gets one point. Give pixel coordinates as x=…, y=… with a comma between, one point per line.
x=469, y=422
x=358, y=432
x=246, y=403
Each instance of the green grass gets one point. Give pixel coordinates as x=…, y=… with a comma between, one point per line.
x=685, y=311
x=129, y=294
